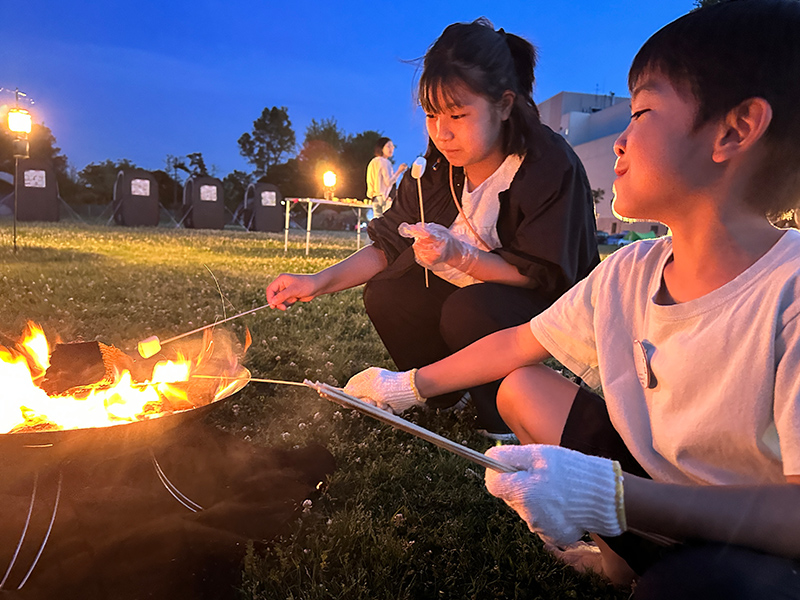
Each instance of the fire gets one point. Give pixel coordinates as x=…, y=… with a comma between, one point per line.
x=169, y=386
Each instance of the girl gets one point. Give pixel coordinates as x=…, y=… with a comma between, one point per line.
x=508, y=210
x=381, y=177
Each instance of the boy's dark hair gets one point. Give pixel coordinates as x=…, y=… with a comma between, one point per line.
x=727, y=53
x=487, y=62
x=378, y=149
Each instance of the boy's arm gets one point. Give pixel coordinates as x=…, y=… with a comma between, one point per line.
x=489, y=359
x=765, y=518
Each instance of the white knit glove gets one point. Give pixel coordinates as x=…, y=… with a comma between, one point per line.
x=560, y=493
x=434, y=246
x=395, y=392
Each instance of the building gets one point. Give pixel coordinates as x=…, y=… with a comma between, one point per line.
x=591, y=123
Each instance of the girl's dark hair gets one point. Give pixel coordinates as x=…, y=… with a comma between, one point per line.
x=727, y=53
x=486, y=62
x=380, y=144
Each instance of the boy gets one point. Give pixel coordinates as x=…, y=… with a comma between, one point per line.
x=695, y=339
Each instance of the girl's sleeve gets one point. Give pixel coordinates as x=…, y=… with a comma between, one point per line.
x=547, y=222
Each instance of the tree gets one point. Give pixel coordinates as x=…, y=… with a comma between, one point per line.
x=99, y=179
x=235, y=185
x=197, y=164
x=321, y=151
x=271, y=139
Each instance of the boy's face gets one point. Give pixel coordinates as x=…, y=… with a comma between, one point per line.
x=662, y=162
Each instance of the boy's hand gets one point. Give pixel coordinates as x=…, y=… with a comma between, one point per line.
x=394, y=392
x=561, y=494
x=434, y=245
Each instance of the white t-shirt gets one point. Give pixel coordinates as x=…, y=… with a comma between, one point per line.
x=723, y=406
x=482, y=207
x=380, y=177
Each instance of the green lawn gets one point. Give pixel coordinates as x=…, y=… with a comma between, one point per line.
x=399, y=518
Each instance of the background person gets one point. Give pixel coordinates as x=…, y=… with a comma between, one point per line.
x=694, y=338
x=381, y=177
x=509, y=212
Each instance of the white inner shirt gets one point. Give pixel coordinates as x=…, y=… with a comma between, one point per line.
x=481, y=206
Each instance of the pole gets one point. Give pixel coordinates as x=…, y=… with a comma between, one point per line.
x=16, y=195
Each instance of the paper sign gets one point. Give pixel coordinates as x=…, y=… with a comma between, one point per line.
x=140, y=187
x=269, y=198
x=35, y=179
x=208, y=193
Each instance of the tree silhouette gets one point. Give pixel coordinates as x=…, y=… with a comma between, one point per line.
x=271, y=139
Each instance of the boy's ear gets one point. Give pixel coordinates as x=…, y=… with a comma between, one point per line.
x=741, y=128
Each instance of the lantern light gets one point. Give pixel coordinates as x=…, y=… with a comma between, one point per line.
x=19, y=120
x=329, y=179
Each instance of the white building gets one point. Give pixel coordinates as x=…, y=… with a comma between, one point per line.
x=591, y=123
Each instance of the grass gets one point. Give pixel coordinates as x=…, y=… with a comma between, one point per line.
x=399, y=518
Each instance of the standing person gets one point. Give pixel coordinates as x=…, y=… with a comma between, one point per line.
x=381, y=177
x=508, y=210
x=694, y=338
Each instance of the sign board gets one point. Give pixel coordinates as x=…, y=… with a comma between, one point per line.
x=35, y=179
x=208, y=193
x=140, y=187
x=269, y=198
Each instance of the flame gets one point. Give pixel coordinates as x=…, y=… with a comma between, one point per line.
x=24, y=406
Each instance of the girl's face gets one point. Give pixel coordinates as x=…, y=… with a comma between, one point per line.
x=388, y=150
x=468, y=131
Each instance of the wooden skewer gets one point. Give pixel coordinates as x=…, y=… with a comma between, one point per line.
x=422, y=218
x=340, y=397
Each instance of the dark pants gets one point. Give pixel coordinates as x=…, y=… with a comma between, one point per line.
x=692, y=571
x=420, y=325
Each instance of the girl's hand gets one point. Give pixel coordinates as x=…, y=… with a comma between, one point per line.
x=287, y=289
x=435, y=245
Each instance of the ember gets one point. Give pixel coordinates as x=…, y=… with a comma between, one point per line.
x=90, y=384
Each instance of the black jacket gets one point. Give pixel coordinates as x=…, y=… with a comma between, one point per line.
x=546, y=223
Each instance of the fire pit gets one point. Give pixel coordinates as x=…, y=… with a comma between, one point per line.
x=93, y=396
x=66, y=412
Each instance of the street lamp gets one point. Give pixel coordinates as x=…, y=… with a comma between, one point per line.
x=19, y=123
x=329, y=181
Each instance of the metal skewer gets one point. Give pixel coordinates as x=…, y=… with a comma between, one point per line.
x=340, y=397
x=152, y=345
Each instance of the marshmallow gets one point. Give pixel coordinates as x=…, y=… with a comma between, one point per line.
x=418, y=167
x=149, y=346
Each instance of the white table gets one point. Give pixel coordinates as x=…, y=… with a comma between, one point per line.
x=313, y=204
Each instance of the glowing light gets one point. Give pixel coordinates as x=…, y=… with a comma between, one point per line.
x=19, y=120
x=329, y=179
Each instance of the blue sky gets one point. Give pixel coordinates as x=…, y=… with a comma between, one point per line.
x=140, y=80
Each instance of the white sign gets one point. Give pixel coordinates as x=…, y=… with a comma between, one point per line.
x=140, y=187
x=208, y=193
x=35, y=179
x=269, y=198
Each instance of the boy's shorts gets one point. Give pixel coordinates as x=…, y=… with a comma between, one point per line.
x=589, y=430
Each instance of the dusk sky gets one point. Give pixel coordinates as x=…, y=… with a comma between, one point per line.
x=140, y=80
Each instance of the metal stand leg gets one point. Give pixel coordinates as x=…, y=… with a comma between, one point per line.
x=286, y=227
x=25, y=532
x=172, y=489
x=308, y=225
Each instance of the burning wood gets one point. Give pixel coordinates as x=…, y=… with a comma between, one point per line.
x=91, y=384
